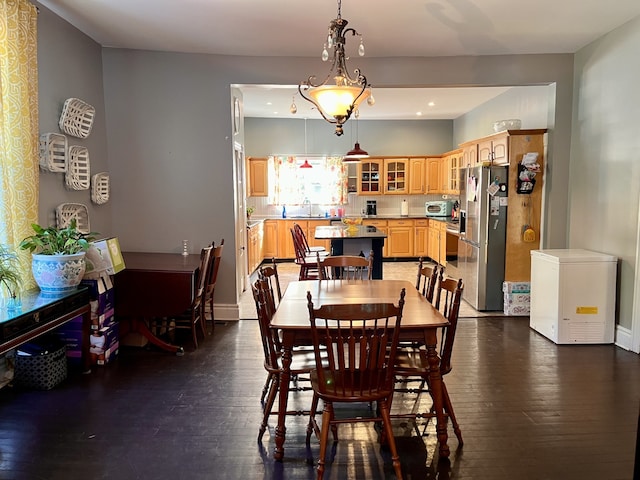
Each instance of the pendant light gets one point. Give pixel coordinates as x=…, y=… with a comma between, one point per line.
x=356, y=153
x=306, y=163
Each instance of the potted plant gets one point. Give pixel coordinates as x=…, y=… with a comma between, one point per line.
x=9, y=277
x=250, y=211
x=58, y=262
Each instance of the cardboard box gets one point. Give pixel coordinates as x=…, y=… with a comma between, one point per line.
x=516, y=310
x=516, y=287
x=517, y=298
x=104, y=345
x=101, y=293
x=104, y=257
x=71, y=335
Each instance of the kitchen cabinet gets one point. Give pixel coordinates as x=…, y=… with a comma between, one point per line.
x=352, y=177
x=437, y=242
x=417, y=175
x=310, y=231
x=451, y=172
x=255, y=237
x=494, y=149
x=400, y=236
x=433, y=175
x=469, y=154
x=396, y=173
x=370, y=176
x=285, y=241
x=257, y=174
x=421, y=242
x=380, y=225
x=270, y=239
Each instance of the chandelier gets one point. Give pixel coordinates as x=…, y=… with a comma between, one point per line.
x=337, y=102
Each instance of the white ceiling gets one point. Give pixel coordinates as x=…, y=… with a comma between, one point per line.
x=402, y=28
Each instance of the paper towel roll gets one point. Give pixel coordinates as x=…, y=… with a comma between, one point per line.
x=404, y=209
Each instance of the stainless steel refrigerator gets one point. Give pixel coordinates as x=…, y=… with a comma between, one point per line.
x=481, y=245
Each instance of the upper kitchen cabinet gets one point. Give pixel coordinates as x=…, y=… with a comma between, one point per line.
x=257, y=177
x=396, y=176
x=469, y=154
x=494, y=149
x=370, y=176
x=451, y=165
x=434, y=182
x=417, y=175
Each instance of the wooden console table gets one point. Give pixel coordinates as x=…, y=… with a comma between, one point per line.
x=42, y=313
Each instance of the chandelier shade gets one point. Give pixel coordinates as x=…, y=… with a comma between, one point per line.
x=337, y=102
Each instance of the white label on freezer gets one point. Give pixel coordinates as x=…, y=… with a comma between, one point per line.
x=503, y=201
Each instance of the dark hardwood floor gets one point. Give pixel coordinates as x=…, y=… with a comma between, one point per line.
x=528, y=409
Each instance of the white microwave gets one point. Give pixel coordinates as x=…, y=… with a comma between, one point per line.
x=438, y=209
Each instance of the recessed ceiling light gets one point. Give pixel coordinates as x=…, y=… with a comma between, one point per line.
x=431, y=104
x=419, y=114
x=269, y=103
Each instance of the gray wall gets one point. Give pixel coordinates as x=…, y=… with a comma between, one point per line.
x=265, y=136
x=70, y=65
x=170, y=146
x=605, y=154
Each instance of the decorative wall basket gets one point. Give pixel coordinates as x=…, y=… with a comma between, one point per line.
x=76, y=118
x=100, y=188
x=77, y=176
x=65, y=212
x=53, y=152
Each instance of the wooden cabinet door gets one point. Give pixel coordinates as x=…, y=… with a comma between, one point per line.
x=421, y=242
x=270, y=239
x=396, y=173
x=433, y=175
x=258, y=177
x=370, y=177
x=285, y=241
x=485, y=151
x=453, y=163
x=442, y=244
x=500, y=150
x=469, y=155
x=400, y=236
x=311, y=233
x=417, y=175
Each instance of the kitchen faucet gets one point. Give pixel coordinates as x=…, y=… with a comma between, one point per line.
x=306, y=201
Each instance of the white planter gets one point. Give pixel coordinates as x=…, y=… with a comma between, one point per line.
x=56, y=274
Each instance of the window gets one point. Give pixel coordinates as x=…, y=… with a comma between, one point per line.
x=324, y=183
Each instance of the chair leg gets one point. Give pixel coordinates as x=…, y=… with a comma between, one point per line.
x=327, y=415
x=194, y=334
x=313, y=425
x=448, y=408
x=386, y=420
x=213, y=319
x=273, y=391
x=265, y=389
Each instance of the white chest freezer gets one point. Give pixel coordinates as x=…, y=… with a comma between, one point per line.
x=573, y=295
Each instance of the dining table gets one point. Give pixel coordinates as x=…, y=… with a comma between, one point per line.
x=420, y=323
x=154, y=285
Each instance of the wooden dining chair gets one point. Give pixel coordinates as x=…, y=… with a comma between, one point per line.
x=308, y=264
x=270, y=273
x=354, y=347
x=412, y=365
x=346, y=267
x=302, y=361
x=426, y=279
x=212, y=278
x=310, y=251
x=194, y=317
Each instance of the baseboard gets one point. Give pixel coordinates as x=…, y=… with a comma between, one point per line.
x=228, y=311
x=623, y=338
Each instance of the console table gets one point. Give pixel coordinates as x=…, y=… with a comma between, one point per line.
x=42, y=313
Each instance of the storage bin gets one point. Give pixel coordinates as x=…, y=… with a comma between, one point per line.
x=40, y=366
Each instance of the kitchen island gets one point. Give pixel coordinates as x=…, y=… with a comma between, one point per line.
x=355, y=240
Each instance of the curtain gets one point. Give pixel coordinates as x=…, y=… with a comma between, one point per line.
x=325, y=183
x=18, y=127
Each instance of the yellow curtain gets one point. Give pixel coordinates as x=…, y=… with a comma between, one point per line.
x=18, y=127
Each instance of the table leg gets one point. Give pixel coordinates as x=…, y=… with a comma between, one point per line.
x=285, y=377
x=140, y=326
x=435, y=379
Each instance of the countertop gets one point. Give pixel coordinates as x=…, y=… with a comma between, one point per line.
x=452, y=227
